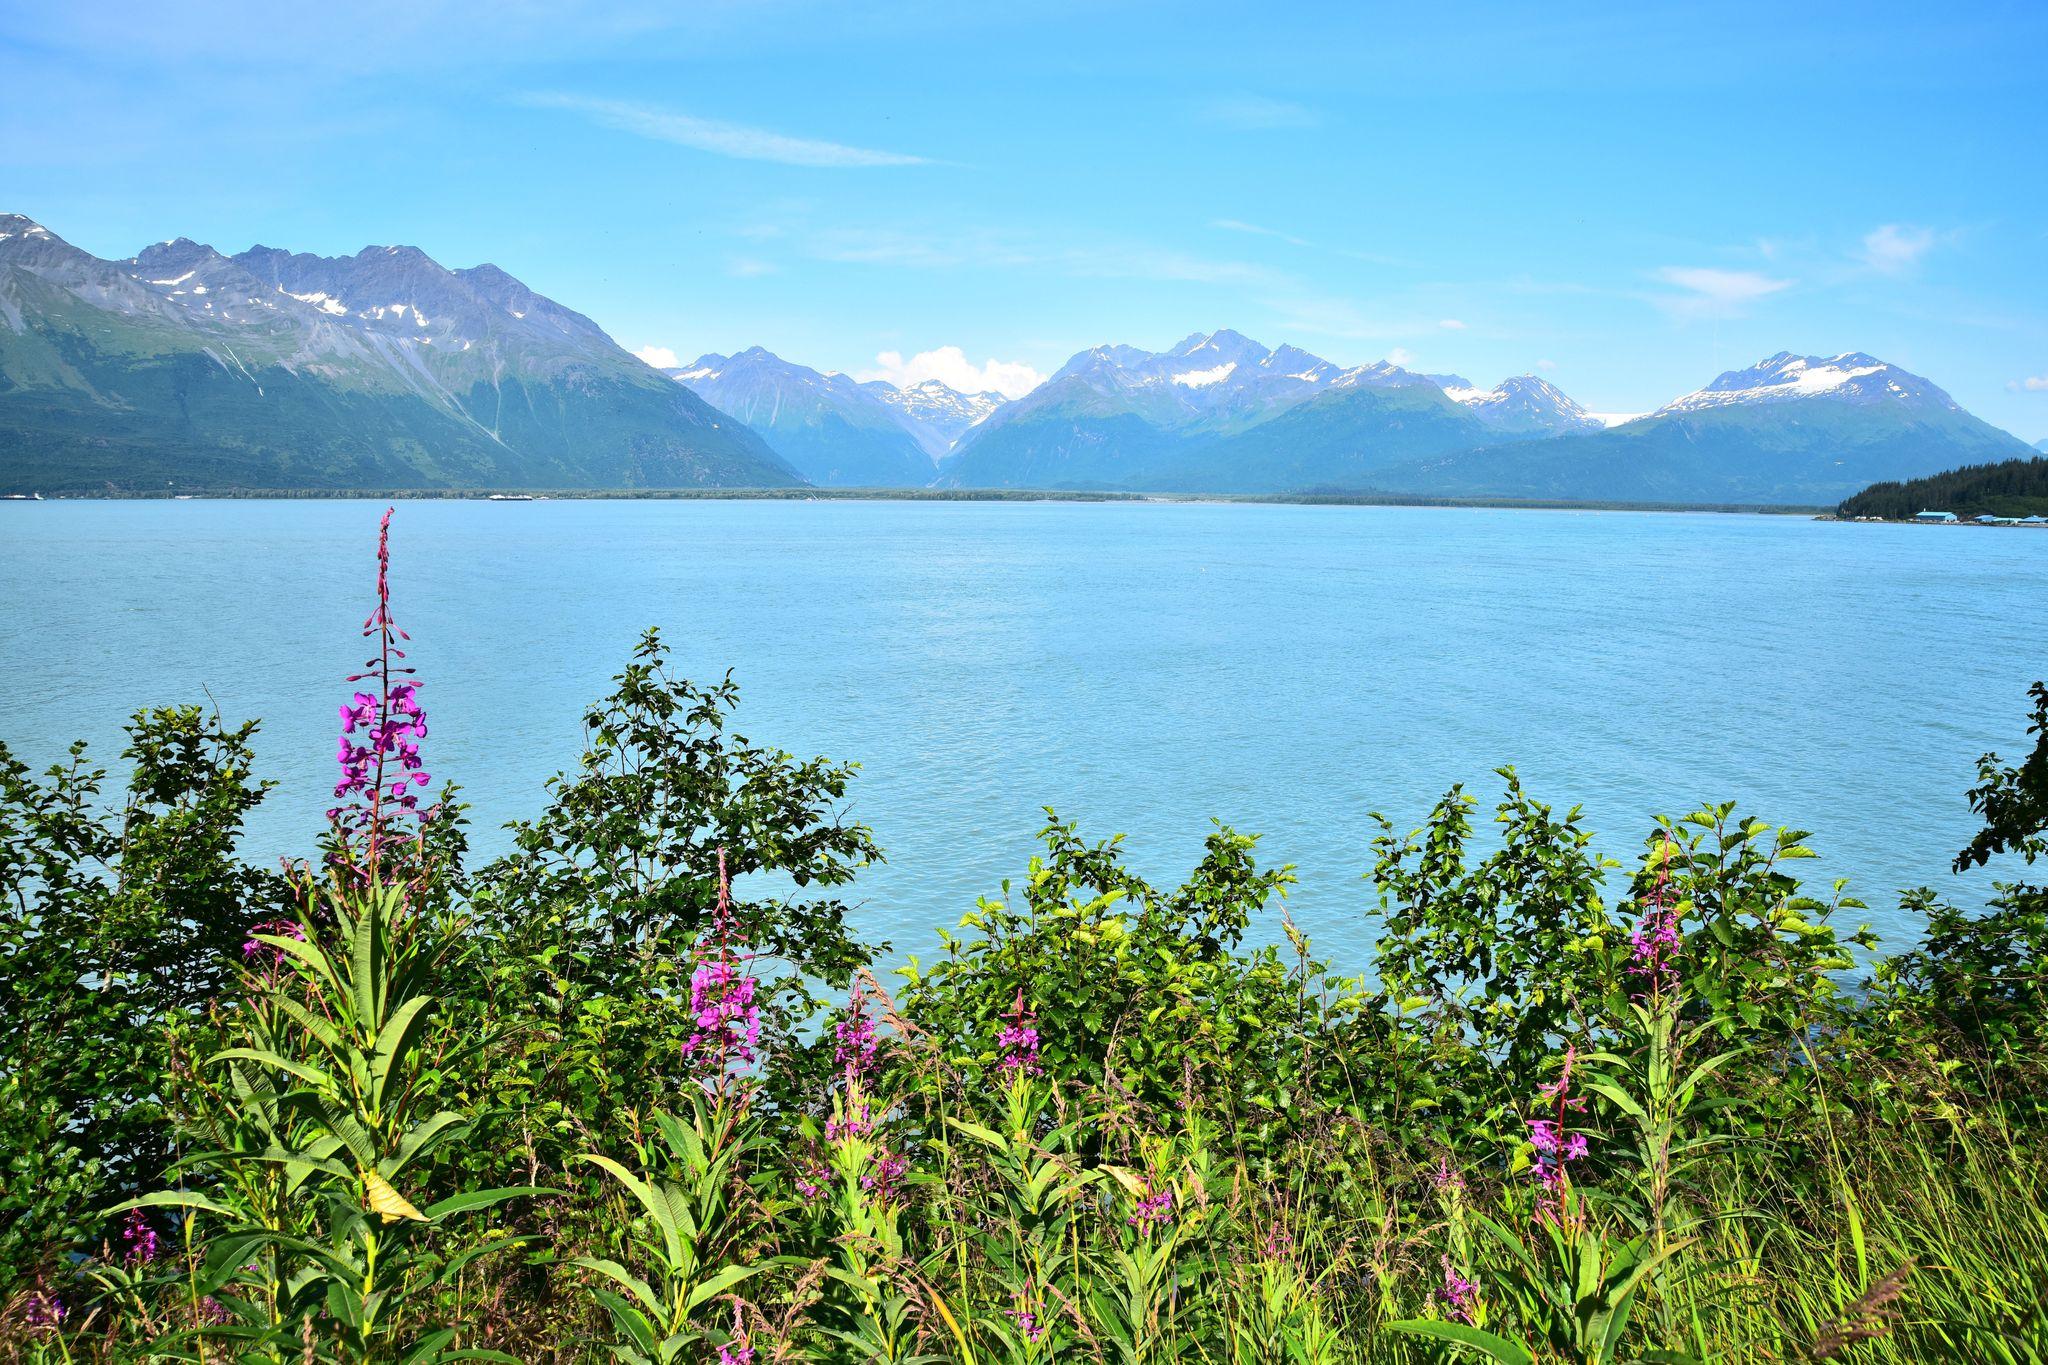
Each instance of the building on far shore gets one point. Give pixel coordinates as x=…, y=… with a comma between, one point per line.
x=1935, y=516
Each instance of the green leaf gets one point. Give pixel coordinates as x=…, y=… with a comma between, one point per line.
x=722, y=1281
x=1494, y=1348
x=478, y=1199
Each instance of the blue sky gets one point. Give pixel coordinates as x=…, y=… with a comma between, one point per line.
x=1627, y=198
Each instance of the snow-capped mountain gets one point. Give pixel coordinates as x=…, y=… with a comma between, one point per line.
x=1789, y=429
x=1522, y=404
x=185, y=366
x=1851, y=377
x=1117, y=412
x=834, y=430
x=935, y=413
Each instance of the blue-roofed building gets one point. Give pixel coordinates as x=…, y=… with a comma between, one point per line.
x=1935, y=516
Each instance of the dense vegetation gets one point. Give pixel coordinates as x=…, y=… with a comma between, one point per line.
x=629, y=1092
x=2010, y=488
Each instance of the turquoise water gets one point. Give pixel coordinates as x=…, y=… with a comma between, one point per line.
x=1141, y=667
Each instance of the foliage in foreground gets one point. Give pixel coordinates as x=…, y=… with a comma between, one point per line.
x=630, y=1092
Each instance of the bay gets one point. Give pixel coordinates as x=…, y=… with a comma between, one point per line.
x=1142, y=667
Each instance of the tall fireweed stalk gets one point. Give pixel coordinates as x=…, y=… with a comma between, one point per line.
x=382, y=775
x=321, y=1122
x=697, y=1236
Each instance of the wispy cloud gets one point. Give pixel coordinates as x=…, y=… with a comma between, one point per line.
x=660, y=357
x=1452, y=325
x=951, y=367
x=1332, y=317
x=994, y=250
x=2033, y=383
x=1235, y=225
x=1257, y=113
x=717, y=137
x=750, y=267
x=1894, y=249
x=1176, y=267
x=1708, y=292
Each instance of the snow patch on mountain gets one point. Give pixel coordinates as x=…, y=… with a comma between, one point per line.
x=1202, y=379
x=1784, y=377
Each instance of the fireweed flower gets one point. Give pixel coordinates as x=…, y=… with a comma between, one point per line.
x=41, y=1310
x=263, y=954
x=855, y=1047
x=727, y=1021
x=1025, y=1317
x=379, y=749
x=856, y=1051
x=856, y=1119
x=739, y=1350
x=884, y=1176
x=138, y=1240
x=725, y=1017
x=1460, y=1294
x=1018, y=1043
x=1443, y=1179
x=1656, y=941
x=1557, y=1147
x=1154, y=1209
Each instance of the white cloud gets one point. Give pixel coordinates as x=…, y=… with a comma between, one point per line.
x=1715, y=293
x=1334, y=317
x=989, y=250
x=748, y=267
x=1894, y=250
x=660, y=357
x=1452, y=325
x=718, y=138
x=2033, y=383
x=1401, y=355
x=951, y=367
x=1546, y=364
x=1257, y=113
x=1237, y=225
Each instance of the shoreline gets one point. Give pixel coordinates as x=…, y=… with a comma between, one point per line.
x=1310, y=499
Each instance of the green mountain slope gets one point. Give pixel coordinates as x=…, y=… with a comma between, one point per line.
x=1343, y=439
x=833, y=430
x=1067, y=446
x=1811, y=451
x=185, y=368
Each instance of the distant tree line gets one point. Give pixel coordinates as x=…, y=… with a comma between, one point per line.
x=2012, y=488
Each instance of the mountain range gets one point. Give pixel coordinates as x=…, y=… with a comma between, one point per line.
x=185, y=368
x=1221, y=414
x=834, y=429
x=182, y=367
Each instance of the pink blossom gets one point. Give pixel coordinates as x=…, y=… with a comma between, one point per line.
x=139, y=1239
x=1155, y=1208
x=1460, y=1294
x=41, y=1310
x=1018, y=1043
x=1027, y=1322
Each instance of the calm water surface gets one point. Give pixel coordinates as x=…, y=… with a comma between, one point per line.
x=1142, y=668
